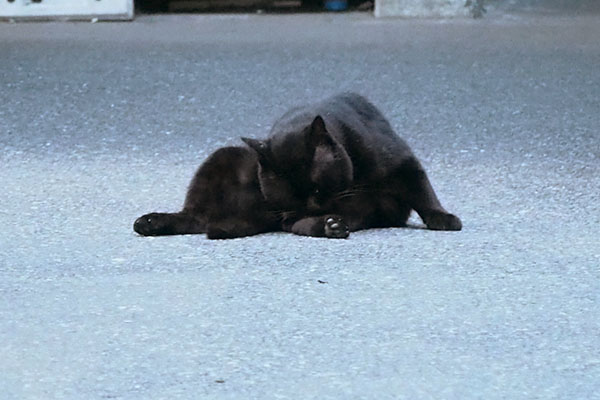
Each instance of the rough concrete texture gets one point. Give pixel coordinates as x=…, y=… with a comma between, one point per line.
x=101, y=123
x=462, y=8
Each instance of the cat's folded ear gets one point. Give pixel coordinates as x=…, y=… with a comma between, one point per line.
x=260, y=146
x=318, y=132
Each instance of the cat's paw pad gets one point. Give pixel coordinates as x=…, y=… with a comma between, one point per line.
x=336, y=228
x=443, y=222
x=153, y=224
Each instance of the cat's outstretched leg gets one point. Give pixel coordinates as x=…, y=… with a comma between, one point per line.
x=161, y=224
x=232, y=227
x=418, y=192
x=330, y=226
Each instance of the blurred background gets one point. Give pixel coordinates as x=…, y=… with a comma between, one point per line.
x=543, y=6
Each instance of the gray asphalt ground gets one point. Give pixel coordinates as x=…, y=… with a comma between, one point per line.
x=101, y=123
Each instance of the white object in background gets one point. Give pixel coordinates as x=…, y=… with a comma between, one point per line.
x=420, y=8
x=66, y=9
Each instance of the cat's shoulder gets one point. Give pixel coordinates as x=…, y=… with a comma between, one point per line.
x=231, y=162
x=231, y=155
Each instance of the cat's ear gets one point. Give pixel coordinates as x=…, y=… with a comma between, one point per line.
x=318, y=132
x=260, y=146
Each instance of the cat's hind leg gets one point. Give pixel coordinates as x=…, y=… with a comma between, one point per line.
x=417, y=191
x=232, y=227
x=161, y=224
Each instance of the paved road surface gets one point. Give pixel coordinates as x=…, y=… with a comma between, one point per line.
x=100, y=123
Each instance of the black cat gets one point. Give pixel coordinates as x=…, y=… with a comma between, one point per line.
x=223, y=200
x=308, y=179
x=340, y=167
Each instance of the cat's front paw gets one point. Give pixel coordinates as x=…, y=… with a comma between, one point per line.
x=153, y=224
x=336, y=228
x=440, y=221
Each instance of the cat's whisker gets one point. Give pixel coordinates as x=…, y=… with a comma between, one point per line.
x=351, y=192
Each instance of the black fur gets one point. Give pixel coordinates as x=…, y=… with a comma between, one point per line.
x=326, y=170
x=341, y=158
x=223, y=200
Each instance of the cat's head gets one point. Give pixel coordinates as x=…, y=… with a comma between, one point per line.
x=302, y=170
